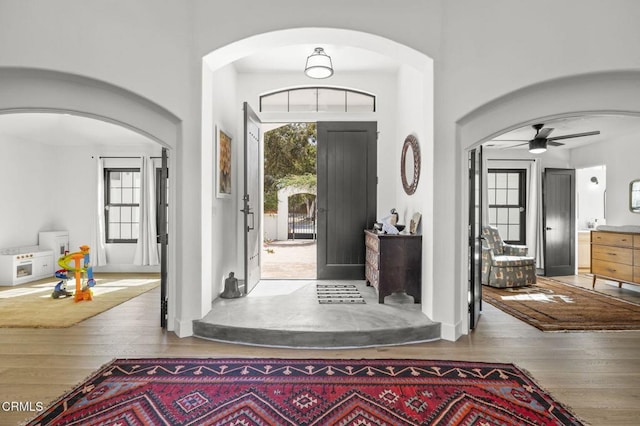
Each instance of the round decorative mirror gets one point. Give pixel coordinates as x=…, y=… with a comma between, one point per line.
x=410, y=164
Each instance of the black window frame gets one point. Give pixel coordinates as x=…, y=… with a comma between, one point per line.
x=522, y=205
x=108, y=205
x=317, y=90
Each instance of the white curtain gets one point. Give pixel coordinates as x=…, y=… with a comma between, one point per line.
x=98, y=246
x=147, y=246
x=534, y=212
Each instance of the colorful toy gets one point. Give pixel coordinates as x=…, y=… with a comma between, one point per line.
x=61, y=288
x=81, y=266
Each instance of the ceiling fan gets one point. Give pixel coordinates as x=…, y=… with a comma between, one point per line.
x=539, y=143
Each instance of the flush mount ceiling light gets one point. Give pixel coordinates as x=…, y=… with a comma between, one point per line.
x=537, y=145
x=319, y=64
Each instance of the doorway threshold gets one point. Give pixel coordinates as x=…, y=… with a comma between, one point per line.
x=287, y=313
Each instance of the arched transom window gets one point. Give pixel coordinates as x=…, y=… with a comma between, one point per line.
x=317, y=99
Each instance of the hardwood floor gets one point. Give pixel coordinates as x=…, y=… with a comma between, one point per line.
x=596, y=374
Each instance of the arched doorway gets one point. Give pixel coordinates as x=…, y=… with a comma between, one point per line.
x=415, y=67
x=24, y=90
x=613, y=93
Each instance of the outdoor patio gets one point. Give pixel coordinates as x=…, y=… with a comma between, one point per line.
x=291, y=259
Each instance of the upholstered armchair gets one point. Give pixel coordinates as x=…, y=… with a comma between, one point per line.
x=505, y=265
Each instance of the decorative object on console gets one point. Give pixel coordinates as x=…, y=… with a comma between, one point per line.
x=505, y=265
x=415, y=221
x=410, y=164
x=393, y=263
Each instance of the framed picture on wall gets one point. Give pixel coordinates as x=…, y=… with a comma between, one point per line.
x=224, y=169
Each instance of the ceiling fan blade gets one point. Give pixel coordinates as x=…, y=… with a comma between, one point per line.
x=575, y=135
x=542, y=134
x=552, y=143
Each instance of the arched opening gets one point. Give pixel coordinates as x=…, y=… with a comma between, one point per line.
x=406, y=106
x=563, y=98
x=88, y=111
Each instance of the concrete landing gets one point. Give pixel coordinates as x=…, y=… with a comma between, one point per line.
x=286, y=313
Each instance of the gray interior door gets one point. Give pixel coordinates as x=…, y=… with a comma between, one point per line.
x=559, y=237
x=346, y=174
x=163, y=237
x=475, y=236
x=252, y=200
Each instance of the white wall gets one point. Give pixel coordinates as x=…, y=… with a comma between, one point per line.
x=28, y=178
x=620, y=156
x=54, y=189
x=220, y=238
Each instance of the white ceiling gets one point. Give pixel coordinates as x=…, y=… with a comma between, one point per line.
x=66, y=130
x=291, y=59
x=610, y=126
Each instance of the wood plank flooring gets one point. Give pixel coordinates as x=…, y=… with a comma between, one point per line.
x=596, y=374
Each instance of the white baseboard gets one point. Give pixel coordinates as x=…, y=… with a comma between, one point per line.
x=451, y=332
x=126, y=269
x=183, y=328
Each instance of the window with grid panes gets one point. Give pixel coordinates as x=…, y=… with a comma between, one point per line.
x=506, y=192
x=122, y=204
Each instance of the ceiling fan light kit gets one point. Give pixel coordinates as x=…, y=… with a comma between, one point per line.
x=319, y=64
x=537, y=146
x=541, y=140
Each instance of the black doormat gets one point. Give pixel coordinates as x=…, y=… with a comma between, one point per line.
x=338, y=294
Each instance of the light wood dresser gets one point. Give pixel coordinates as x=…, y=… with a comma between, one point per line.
x=394, y=264
x=615, y=256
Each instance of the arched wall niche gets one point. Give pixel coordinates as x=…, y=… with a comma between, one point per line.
x=614, y=92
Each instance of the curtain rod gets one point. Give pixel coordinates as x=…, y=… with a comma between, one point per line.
x=125, y=157
x=512, y=159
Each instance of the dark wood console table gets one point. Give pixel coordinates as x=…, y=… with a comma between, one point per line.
x=394, y=263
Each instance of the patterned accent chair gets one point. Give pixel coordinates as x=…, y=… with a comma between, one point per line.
x=505, y=265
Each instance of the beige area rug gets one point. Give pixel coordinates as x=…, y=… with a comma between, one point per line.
x=31, y=305
x=551, y=305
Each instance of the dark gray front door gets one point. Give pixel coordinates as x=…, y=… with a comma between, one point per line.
x=559, y=221
x=346, y=170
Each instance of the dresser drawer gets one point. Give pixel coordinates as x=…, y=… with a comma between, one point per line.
x=636, y=257
x=372, y=242
x=373, y=259
x=636, y=241
x=612, y=270
x=636, y=274
x=612, y=239
x=612, y=254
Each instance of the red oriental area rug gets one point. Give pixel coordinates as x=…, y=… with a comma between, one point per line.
x=306, y=392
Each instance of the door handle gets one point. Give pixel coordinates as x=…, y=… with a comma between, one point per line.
x=253, y=222
x=548, y=228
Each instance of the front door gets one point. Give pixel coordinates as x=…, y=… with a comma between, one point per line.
x=559, y=211
x=346, y=175
x=252, y=200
